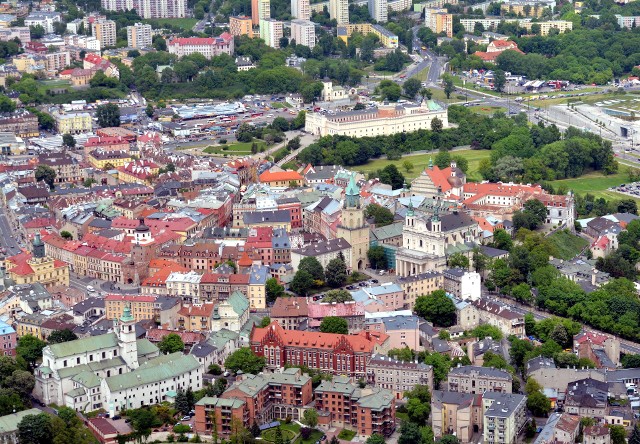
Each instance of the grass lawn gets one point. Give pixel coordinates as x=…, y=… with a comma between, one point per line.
x=295, y=428
x=185, y=23
x=270, y=435
x=487, y=110
x=46, y=85
x=567, y=244
x=596, y=184
x=278, y=105
x=236, y=149
x=346, y=435
x=421, y=161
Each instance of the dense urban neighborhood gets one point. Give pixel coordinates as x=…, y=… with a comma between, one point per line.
x=319, y=222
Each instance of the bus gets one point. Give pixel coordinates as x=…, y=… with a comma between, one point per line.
x=257, y=114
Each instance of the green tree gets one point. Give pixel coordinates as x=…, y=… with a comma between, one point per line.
x=313, y=267
x=149, y=110
x=411, y=87
x=448, y=439
x=375, y=439
x=47, y=174
x=443, y=159
x=499, y=80
x=538, y=404
x=381, y=215
x=377, y=258
x=310, y=418
x=181, y=402
x=408, y=166
x=273, y=289
x=458, y=260
x=337, y=296
x=21, y=382
x=485, y=330
x=142, y=423
x=66, y=235
x=171, y=343
x=502, y=240
x=409, y=433
x=618, y=434
x=448, y=85
x=108, y=115
x=301, y=283
x=635, y=435
x=532, y=386
x=436, y=308
x=30, y=349
x=35, y=429
x=334, y=324
x=246, y=360
x=336, y=273
x=436, y=125
x=59, y=336
x=68, y=140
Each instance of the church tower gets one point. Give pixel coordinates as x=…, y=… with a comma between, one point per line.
x=126, y=331
x=353, y=227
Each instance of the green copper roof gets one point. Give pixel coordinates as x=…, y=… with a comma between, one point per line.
x=214, y=401
x=9, y=423
x=87, y=379
x=145, y=347
x=239, y=302
x=76, y=392
x=126, y=314
x=84, y=345
x=352, y=188
x=158, y=369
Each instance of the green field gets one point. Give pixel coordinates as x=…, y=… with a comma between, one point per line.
x=487, y=110
x=596, y=184
x=295, y=428
x=46, y=85
x=421, y=161
x=346, y=435
x=270, y=435
x=234, y=149
x=567, y=245
x=185, y=23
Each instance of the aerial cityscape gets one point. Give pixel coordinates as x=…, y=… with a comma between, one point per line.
x=320, y=222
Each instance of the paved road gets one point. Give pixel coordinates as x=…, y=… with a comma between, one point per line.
x=8, y=239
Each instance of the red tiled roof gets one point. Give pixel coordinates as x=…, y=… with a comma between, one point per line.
x=160, y=277
x=269, y=176
x=245, y=260
x=213, y=278
x=202, y=310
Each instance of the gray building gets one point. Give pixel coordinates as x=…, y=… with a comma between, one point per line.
x=473, y=379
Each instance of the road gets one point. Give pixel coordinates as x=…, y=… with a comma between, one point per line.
x=9, y=235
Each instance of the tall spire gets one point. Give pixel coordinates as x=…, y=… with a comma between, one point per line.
x=126, y=314
x=410, y=211
x=352, y=193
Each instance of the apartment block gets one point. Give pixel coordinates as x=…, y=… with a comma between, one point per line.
x=504, y=417
x=303, y=32
x=271, y=31
x=260, y=10
x=149, y=8
x=207, y=46
x=23, y=124
x=398, y=376
x=379, y=10
x=105, y=32
x=139, y=36
x=472, y=379
x=241, y=25
x=387, y=38
x=339, y=10
x=438, y=20
x=142, y=307
x=20, y=32
x=454, y=413
x=564, y=25
x=72, y=123
x=418, y=285
x=300, y=9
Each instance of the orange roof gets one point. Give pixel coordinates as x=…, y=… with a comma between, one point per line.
x=440, y=177
x=201, y=310
x=161, y=262
x=159, y=279
x=245, y=260
x=275, y=176
x=19, y=264
x=362, y=342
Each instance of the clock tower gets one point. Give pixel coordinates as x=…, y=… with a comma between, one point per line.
x=353, y=227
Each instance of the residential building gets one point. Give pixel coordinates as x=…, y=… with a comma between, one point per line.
x=587, y=397
x=351, y=311
x=381, y=121
x=596, y=434
x=72, y=123
x=105, y=32
x=472, y=379
x=23, y=124
x=418, y=285
x=271, y=31
x=196, y=317
x=567, y=428
x=290, y=313
x=398, y=376
x=28, y=268
x=324, y=252
x=561, y=25
x=207, y=46
x=141, y=307
x=504, y=417
x=139, y=36
x=8, y=339
x=101, y=160
x=524, y=8
x=387, y=38
x=260, y=10
x=380, y=298
x=23, y=33
x=454, y=413
x=148, y=9
x=300, y=10
x=303, y=31
x=378, y=10
x=462, y=283
x=240, y=25
x=438, y=20
x=67, y=168
x=508, y=321
x=334, y=353
x=44, y=19
x=341, y=403
x=600, y=348
x=339, y=10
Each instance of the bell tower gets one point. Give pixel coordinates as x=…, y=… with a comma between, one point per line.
x=353, y=227
x=127, y=341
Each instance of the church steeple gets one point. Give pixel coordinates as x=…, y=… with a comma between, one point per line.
x=410, y=210
x=352, y=194
x=38, y=246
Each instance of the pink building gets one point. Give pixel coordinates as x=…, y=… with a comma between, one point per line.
x=352, y=311
x=8, y=340
x=207, y=46
x=402, y=329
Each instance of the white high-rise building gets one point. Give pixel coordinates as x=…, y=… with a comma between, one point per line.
x=303, y=32
x=271, y=31
x=105, y=32
x=149, y=8
x=339, y=10
x=139, y=36
x=379, y=10
x=300, y=9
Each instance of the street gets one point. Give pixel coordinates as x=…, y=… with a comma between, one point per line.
x=9, y=235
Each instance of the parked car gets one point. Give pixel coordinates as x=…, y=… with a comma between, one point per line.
x=186, y=418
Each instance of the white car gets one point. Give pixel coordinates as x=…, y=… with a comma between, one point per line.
x=90, y=288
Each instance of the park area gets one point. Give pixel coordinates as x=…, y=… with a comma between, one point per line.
x=596, y=184
x=291, y=432
x=234, y=149
x=421, y=161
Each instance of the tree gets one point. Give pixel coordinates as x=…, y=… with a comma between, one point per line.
x=407, y=165
x=108, y=115
x=458, y=260
x=538, y=404
x=390, y=91
x=417, y=411
x=7, y=105
x=377, y=258
x=181, y=402
x=618, y=434
x=246, y=360
x=37, y=31
x=66, y=235
x=448, y=439
x=381, y=215
x=411, y=87
x=142, y=423
x=502, y=240
x=391, y=176
x=21, y=382
x=336, y=273
x=149, y=110
x=30, y=349
x=499, y=80
x=375, y=439
x=310, y=418
x=301, y=283
x=255, y=429
x=409, y=433
x=313, y=267
x=334, y=324
x=426, y=93
x=436, y=125
x=443, y=158
x=337, y=296
x=448, y=85
x=171, y=343
x=68, y=140
x=635, y=435
x=436, y=308
x=532, y=386
x=59, y=336
x=35, y=429
x=273, y=289
x=536, y=211
x=47, y=174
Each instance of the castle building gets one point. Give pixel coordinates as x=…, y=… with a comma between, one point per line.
x=353, y=227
